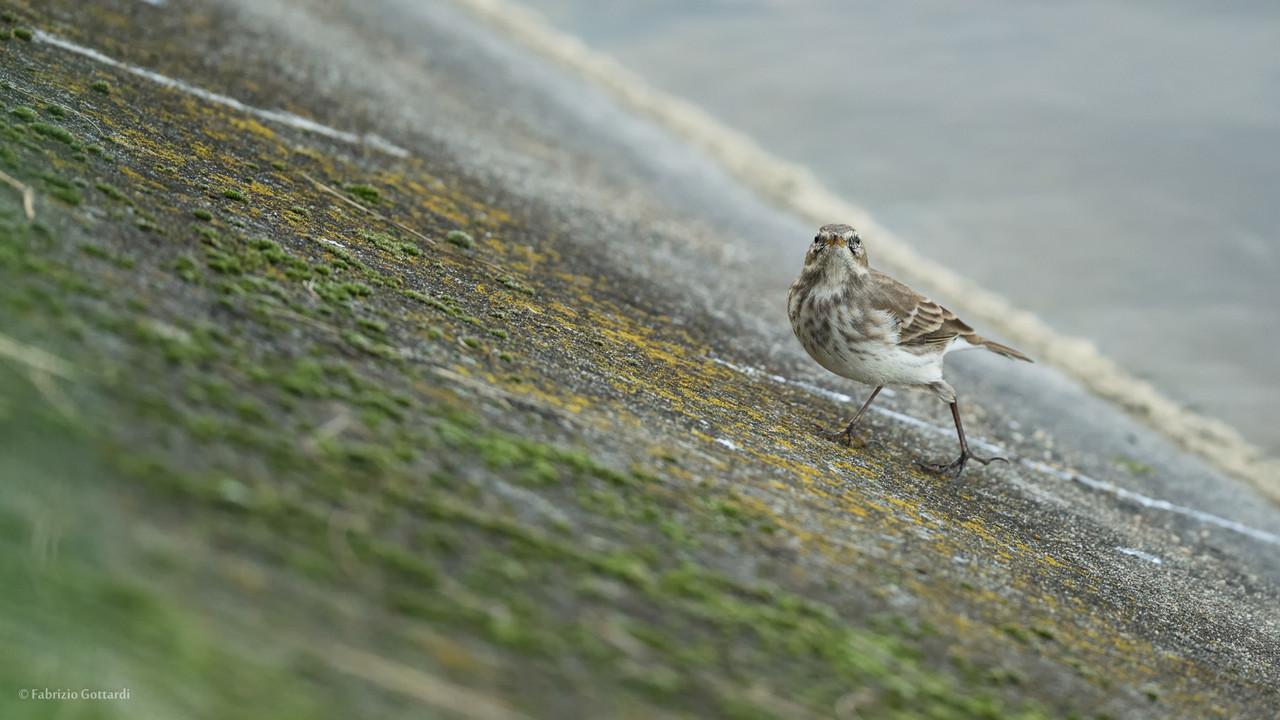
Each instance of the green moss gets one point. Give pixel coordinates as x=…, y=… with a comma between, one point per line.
x=97, y=252
x=178, y=646
x=202, y=214
x=510, y=282
x=222, y=262
x=362, y=343
x=372, y=327
x=101, y=86
x=62, y=189
x=1016, y=633
x=250, y=410
x=382, y=241
x=24, y=113
x=1132, y=466
x=307, y=379
x=269, y=250
x=186, y=269
x=23, y=34
x=459, y=238
x=287, y=435
x=367, y=194
x=233, y=194
x=114, y=193
x=208, y=236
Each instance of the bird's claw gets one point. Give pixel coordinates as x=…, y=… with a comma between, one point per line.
x=959, y=463
x=842, y=437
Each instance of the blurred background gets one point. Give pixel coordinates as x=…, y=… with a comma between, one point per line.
x=1113, y=167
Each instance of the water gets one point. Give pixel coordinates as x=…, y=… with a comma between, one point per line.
x=1113, y=167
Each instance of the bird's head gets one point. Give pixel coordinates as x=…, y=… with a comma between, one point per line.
x=837, y=246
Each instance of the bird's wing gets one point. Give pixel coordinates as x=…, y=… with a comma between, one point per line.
x=920, y=321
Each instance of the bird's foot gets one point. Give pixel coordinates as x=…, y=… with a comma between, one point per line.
x=959, y=463
x=843, y=436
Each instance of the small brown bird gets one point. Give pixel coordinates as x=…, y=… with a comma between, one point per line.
x=862, y=324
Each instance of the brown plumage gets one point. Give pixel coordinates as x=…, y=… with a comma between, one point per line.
x=922, y=321
x=859, y=323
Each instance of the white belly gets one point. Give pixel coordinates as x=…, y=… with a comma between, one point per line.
x=877, y=364
x=872, y=357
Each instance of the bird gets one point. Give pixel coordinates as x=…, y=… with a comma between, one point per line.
x=864, y=325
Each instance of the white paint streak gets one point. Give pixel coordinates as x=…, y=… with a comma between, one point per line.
x=277, y=116
x=1155, y=504
x=155, y=3
x=837, y=396
x=727, y=443
x=975, y=442
x=841, y=397
x=829, y=394
x=1102, y=486
x=1139, y=554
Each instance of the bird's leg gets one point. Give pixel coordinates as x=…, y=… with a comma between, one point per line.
x=965, y=456
x=845, y=437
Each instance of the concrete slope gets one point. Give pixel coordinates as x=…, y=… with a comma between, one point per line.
x=357, y=363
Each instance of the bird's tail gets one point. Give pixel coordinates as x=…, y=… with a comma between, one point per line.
x=996, y=347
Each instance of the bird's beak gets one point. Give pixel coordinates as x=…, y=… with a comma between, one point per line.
x=837, y=240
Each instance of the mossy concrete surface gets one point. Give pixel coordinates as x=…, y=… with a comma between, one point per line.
x=294, y=425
